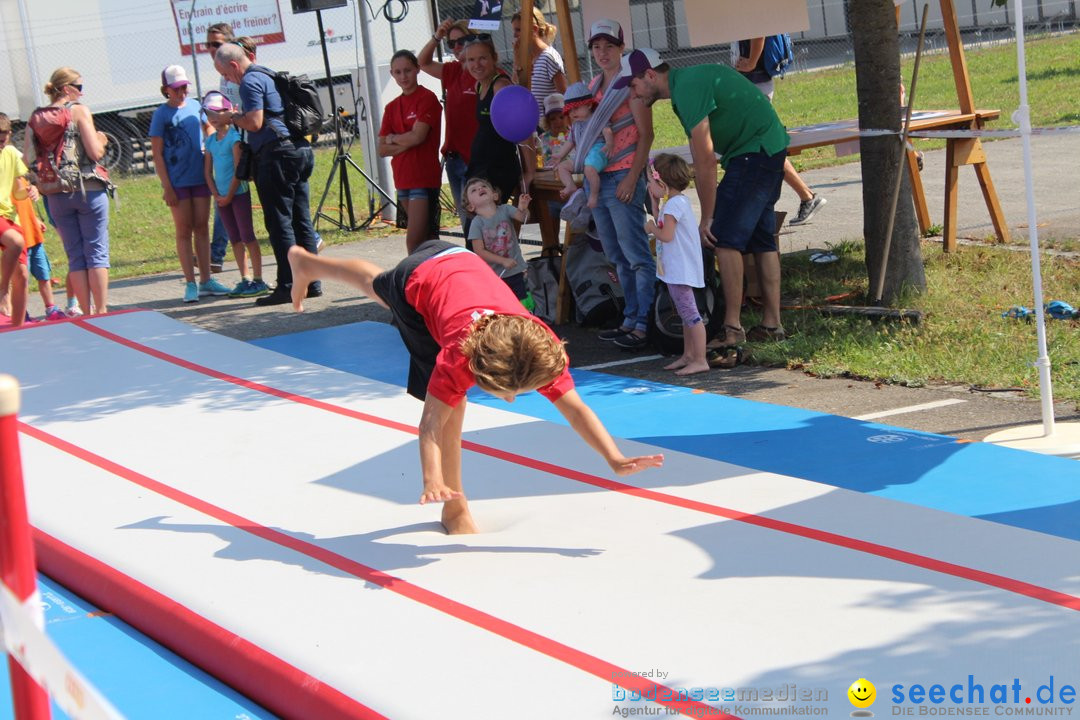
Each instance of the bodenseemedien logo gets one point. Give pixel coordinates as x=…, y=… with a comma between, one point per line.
x=862, y=695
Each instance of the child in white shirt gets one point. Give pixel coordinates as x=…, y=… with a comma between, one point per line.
x=679, y=261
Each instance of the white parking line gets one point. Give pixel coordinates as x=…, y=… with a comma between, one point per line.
x=908, y=409
x=613, y=363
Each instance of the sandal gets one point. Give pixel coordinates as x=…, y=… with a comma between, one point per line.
x=726, y=357
x=760, y=333
x=734, y=333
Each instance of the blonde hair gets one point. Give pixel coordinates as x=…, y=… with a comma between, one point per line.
x=673, y=170
x=512, y=353
x=461, y=26
x=61, y=78
x=544, y=29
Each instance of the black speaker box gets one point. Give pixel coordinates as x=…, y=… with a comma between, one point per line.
x=303, y=6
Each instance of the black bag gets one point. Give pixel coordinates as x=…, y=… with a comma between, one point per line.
x=542, y=274
x=245, y=166
x=665, y=329
x=303, y=113
x=598, y=296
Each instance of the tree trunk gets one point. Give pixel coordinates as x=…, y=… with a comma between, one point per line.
x=877, y=75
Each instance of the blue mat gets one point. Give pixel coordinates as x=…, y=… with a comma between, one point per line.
x=139, y=677
x=1015, y=488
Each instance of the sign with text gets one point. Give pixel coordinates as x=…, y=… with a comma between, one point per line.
x=486, y=15
x=259, y=19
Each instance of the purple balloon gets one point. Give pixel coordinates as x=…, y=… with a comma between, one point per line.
x=514, y=113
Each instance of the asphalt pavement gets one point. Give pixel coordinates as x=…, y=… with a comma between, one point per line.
x=959, y=411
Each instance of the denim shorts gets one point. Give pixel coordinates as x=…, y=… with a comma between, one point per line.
x=39, y=264
x=744, y=218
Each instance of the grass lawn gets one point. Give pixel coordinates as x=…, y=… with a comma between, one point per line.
x=962, y=340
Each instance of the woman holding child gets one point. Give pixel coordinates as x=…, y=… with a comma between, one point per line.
x=620, y=212
x=410, y=137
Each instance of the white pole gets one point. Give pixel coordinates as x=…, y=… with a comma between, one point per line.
x=1022, y=117
x=374, y=101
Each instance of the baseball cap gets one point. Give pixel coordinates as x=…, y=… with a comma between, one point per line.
x=607, y=29
x=214, y=101
x=553, y=103
x=174, y=76
x=635, y=63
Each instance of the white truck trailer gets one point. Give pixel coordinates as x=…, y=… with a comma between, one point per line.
x=120, y=48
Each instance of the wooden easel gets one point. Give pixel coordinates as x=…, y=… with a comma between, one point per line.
x=958, y=151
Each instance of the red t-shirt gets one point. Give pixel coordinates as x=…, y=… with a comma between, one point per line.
x=460, y=87
x=451, y=292
x=417, y=167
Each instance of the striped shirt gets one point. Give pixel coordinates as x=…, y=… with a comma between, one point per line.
x=547, y=65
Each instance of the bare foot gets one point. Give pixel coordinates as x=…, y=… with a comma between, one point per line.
x=594, y=200
x=679, y=363
x=457, y=519
x=567, y=191
x=694, y=368
x=302, y=275
x=5, y=305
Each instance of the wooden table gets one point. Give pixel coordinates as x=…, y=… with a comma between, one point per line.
x=844, y=135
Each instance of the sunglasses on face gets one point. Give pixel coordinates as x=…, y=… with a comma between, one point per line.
x=215, y=44
x=470, y=39
x=77, y=86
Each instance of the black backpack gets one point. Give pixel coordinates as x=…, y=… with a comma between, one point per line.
x=303, y=114
x=665, y=329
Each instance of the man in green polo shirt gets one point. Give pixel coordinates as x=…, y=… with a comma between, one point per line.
x=723, y=113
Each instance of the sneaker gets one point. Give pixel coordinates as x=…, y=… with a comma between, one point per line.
x=217, y=267
x=630, y=341
x=212, y=287
x=314, y=290
x=55, y=313
x=807, y=208
x=608, y=335
x=191, y=292
x=279, y=296
x=241, y=289
x=258, y=288
x=318, y=242
x=73, y=310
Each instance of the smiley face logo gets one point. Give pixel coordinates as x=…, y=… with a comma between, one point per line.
x=862, y=693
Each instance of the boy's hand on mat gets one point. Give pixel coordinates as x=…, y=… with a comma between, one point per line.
x=437, y=492
x=629, y=466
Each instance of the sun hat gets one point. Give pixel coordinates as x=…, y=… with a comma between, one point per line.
x=576, y=95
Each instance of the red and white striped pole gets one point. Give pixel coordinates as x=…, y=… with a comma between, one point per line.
x=17, y=566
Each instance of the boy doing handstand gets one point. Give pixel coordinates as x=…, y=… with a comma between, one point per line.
x=579, y=104
x=463, y=326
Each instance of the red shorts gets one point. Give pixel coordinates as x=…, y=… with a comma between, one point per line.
x=6, y=225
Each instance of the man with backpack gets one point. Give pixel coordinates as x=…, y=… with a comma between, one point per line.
x=760, y=60
x=282, y=161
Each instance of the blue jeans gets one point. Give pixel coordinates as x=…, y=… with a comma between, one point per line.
x=219, y=240
x=455, y=173
x=282, y=181
x=621, y=227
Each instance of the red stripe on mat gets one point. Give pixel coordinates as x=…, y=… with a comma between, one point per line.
x=264, y=678
x=254, y=677
x=1001, y=582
